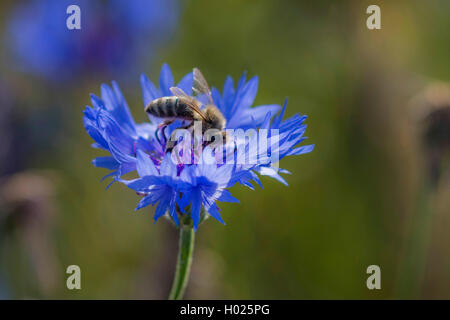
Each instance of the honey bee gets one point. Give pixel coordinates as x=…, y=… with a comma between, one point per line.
x=184, y=107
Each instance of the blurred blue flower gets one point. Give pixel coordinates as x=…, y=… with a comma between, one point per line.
x=115, y=36
x=172, y=185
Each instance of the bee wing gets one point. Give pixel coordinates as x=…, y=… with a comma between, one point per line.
x=180, y=93
x=191, y=102
x=200, y=86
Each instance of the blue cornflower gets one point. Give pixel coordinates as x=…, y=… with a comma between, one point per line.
x=109, y=42
x=176, y=186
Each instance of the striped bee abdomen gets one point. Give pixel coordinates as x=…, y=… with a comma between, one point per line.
x=169, y=107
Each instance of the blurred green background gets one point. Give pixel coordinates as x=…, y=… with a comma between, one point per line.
x=362, y=197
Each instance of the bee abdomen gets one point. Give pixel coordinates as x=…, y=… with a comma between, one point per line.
x=165, y=107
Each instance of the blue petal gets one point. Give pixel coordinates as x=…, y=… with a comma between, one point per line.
x=196, y=205
x=266, y=123
x=95, y=133
x=165, y=80
x=125, y=168
x=149, y=91
x=277, y=120
x=248, y=93
x=215, y=213
x=144, y=202
x=108, y=175
x=122, y=110
x=184, y=201
x=217, y=98
x=115, y=134
x=106, y=162
x=144, y=165
x=186, y=83
x=228, y=89
x=142, y=184
x=108, y=97
x=161, y=209
x=301, y=150
x=227, y=197
x=252, y=116
x=168, y=167
x=116, y=105
x=172, y=211
x=267, y=171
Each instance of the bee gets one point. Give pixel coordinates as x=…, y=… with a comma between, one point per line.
x=184, y=107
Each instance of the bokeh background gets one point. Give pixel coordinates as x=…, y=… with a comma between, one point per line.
x=375, y=190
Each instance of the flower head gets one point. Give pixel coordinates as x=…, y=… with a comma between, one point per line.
x=193, y=176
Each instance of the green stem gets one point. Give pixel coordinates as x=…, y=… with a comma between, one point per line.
x=184, y=260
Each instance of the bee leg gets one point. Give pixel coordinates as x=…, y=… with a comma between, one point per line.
x=169, y=122
x=213, y=141
x=189, y=126
x=169, y=148
x=170, y=144
x=166, y=123
x=224, y=137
